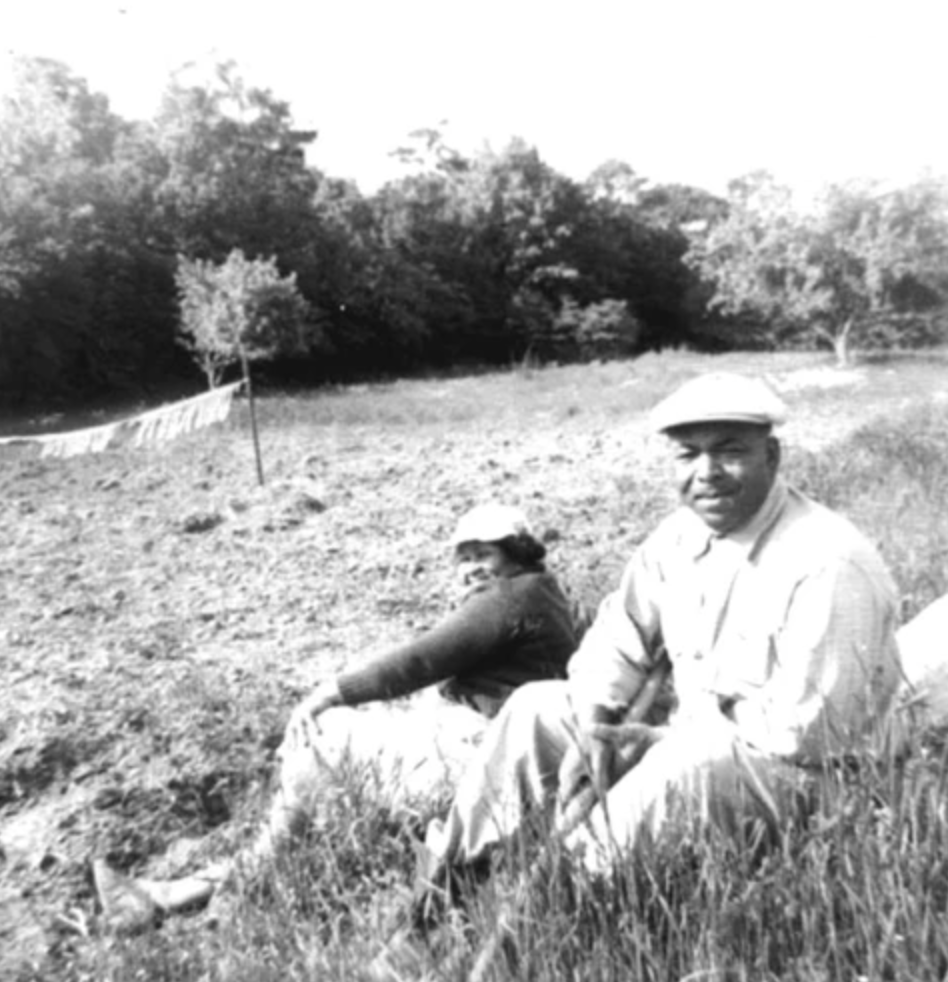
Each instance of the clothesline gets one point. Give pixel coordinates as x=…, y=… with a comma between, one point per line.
x=154, y=426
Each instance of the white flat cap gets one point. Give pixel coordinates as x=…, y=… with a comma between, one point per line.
x=490, y=523
x=720, y=397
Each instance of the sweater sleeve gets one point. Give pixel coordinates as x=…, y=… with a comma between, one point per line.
x=458, y=644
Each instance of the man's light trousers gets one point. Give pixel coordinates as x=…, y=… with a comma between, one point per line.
x=701, y=771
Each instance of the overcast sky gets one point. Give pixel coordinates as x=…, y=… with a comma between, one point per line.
x=693, y=91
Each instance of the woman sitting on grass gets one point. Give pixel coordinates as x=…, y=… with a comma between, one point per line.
x=512, y=626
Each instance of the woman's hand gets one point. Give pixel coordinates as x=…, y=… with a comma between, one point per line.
x=302, y=729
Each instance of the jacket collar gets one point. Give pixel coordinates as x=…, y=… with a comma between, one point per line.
x=748, y=538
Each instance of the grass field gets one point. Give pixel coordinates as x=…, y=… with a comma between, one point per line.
x=162, y=614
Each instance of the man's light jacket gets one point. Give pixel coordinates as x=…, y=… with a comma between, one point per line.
x=785, y=626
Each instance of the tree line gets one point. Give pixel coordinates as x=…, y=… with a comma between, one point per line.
x=113, y=233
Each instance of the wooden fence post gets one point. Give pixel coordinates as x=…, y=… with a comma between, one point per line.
x=253, y=415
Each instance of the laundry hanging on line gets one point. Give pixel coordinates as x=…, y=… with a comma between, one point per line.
x=154, y=426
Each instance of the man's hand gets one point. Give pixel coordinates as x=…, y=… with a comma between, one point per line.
x=595, y=762
x=629, y=742
x=302, y=730
x=585, y=773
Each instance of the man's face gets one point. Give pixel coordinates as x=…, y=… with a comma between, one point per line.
x=724, y=471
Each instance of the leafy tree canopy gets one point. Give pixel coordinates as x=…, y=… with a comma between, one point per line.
x=240, y=309
x=235, y=174
x=863, y=257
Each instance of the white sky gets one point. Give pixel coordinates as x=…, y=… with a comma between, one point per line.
x=693, y=91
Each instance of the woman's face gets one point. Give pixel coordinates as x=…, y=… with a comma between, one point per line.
x=478, y=562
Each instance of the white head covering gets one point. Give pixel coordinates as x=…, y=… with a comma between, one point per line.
x=720, y=397
x=490, y=523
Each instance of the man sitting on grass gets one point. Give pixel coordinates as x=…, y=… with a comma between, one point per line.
x=778, y=619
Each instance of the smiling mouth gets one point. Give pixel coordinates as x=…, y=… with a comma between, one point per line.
x=714, y=498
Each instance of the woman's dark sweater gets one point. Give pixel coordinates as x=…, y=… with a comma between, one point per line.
x=510, y=631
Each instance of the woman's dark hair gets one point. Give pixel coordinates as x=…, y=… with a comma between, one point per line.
x=524, y=550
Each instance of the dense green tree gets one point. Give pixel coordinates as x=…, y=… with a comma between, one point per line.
x=235, y=174
x=51, y=120
x=884, y=255
x=524, y=215
x=375, y=301
x=491, y=235
x=333, y=274
x=425, y=273
x=463, y=260
x=480, y=258
x=512, y=255
x=607, y=329
x=74, y=306
x=629, y=247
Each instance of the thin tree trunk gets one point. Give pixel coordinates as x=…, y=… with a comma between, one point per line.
x=841, y=344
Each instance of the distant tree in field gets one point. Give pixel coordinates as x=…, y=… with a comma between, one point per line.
x=241, y=309
x=861, y=261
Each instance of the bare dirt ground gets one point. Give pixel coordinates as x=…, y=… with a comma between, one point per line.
x=161, y=613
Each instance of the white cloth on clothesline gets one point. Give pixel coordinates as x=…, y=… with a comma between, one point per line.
x=154, y=426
